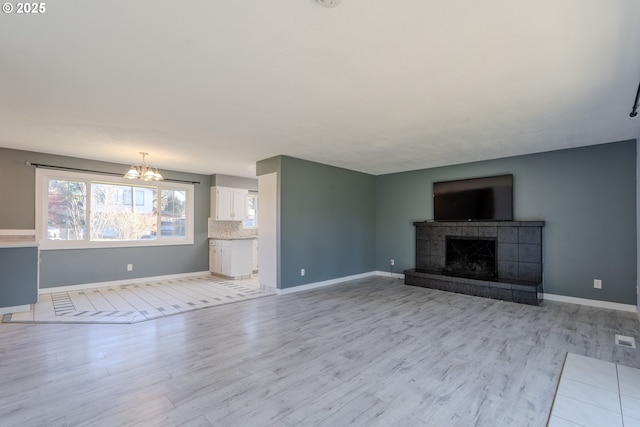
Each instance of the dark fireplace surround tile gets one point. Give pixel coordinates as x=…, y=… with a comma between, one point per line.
x=518, y=253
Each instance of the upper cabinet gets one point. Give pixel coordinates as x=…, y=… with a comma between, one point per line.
x=228, y=204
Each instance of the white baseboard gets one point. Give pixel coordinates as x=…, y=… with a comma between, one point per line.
x=323, y=283
x=15, y=309
x=550, y=297
x=591, y=302
x=388, y=274
x=121, y=282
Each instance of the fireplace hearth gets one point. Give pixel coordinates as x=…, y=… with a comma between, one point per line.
x=500, y=260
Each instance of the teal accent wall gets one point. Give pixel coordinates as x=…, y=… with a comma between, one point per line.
x=586, y=196
x=72, y=267
x=327, y=220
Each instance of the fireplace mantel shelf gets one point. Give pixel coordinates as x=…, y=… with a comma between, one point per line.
x=432, y=223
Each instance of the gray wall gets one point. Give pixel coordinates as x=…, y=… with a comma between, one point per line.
x=234, y=182
x=587, y=196
x=71, y=267
x=327, y=220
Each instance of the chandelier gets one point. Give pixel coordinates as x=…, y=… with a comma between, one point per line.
x=143, y=171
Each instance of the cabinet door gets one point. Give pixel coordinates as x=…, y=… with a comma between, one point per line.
x=255, y=255
x=240, y=204
x=218, y=260
x=224, y=251
x=212, y=258
x=222, y=206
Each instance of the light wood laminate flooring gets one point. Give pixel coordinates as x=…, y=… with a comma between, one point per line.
x=372, y=352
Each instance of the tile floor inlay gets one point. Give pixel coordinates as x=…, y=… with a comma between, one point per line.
x=594, y=392
x=137, y=302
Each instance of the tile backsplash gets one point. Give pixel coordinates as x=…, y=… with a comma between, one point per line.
x=229, y=230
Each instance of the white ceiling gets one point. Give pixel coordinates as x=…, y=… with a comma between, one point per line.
x=376, y=86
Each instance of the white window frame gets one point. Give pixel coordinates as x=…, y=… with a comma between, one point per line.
x=42, y=204
x=255, y=220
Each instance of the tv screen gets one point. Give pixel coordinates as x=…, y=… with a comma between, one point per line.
x=478, y=199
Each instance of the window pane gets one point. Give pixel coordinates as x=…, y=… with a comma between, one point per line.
x=252, y=212
x=120, y=212
x=66, y=210
x=88, y=211
x=173, y=214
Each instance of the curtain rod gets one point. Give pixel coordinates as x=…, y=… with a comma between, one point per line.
x=40, y=165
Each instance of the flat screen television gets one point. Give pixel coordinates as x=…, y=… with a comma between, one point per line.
x=478, y=199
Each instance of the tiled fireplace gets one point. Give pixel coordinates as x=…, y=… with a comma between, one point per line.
x=500, y=260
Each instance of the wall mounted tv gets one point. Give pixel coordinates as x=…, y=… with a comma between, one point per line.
x=478, y=199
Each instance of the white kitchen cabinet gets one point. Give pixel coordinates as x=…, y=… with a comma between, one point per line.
x=228, y=204
x=255, y=255
x=231, y=258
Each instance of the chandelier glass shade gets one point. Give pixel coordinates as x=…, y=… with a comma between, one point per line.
x=143, y=171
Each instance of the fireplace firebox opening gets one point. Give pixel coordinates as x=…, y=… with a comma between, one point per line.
x=471, y=257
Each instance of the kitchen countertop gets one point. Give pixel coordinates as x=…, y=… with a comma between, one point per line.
x=9, y=244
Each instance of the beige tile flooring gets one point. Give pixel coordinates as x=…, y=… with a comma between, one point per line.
x=596, y=393
x=137, y=302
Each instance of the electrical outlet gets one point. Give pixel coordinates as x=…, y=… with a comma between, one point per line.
x=392, y=261
x=302, y=271
x=129, y=267
x=597, y=283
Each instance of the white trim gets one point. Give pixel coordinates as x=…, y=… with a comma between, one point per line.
x=15, y=309
x=120, y=282
x=591, y=302
x=388, y=274
x=17, y=232
x=42, y=177
x=322, y=284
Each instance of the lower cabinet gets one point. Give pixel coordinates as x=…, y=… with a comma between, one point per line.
x=231, y=258
x=255, y=255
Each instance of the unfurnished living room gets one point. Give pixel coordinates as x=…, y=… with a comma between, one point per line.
x=320, y=213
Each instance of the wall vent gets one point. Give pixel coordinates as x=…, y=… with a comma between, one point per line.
x=625, y=341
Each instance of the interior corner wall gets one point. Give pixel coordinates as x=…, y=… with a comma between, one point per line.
x=586, y=196
x=72, y=267
x=327, y=222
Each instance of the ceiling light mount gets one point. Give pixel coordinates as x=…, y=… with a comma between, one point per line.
x=143, y=171
x=329, y=3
